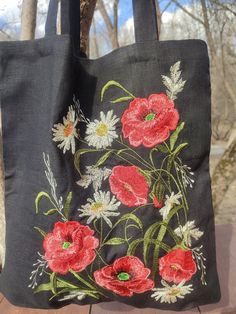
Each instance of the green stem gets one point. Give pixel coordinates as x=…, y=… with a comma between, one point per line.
x=186, y=208
x=81, y=279
x=101, y=231
x=95, y=227
x=133, y=151
x=58, y=210
x=116, y=224
x=160, y=238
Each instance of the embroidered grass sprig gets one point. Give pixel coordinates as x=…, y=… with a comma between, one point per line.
x=174, y=83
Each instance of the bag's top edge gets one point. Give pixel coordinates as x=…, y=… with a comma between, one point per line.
x=191, y=46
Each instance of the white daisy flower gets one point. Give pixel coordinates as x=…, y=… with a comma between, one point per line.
x=101, y=133
x=72, y=295
x=188, y=231
x=170, y=201
x=94, y=176
x=102, y=206
x=66, y=132
x=170, y=294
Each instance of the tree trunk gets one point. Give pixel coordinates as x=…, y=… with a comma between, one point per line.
x=224, y=175
x=112, y=28
x=87, y=8
x=28, y=19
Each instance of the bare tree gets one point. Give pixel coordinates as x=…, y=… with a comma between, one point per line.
x=112, y=26
x=28, y=19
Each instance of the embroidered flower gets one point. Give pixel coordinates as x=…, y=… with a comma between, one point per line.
x=188, y=231
x=129, y=185
x=149, y=121
x=102, y=206
x=94, y=176
x=70, y=246
x=100, y=134
x=177, y=266
x=72, y=295
x=66, y=132
x=126, y=276
x=170, y=294
x=170, y=201
x=157, y=203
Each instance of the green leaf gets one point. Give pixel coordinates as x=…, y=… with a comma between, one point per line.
x=179, y=148
x=115, y=241
x=53, y=282
x=133, y=246
x=121, y=151
x=43, y=233
x=104, y=158
x=175, y=135
x=131, y=217
x=112, y=84
x=43, y=287
x=78, y=155
x=147, y=237
x=146, y=175
x=67, y=205
x=162, y=148
x=39, y=197
x=121, y=99
x=50, y=212
x=61, y=283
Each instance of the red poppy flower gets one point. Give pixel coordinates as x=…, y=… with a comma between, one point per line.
x=126, y=276
x=149, y=121
x=177, y=266
x=129, y=185
x=158, y=203
x=70, y=246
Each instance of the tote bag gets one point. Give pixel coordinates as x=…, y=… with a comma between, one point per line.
x=108, y=192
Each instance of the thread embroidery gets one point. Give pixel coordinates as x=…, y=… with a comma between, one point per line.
x=158, y=183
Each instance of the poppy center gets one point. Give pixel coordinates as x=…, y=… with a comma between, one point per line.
x=102, y=129
x=66, y=245
x=68, y=130
x=150, y=116
x=175, y=267
x=128, y=187
x=97, y=207
x=123, y=276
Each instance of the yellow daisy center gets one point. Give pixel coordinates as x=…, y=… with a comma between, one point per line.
x=102, y=129
x=68, y=129
x=97, y=207
x=174, y=292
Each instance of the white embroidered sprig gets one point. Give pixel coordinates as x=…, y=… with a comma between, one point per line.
x=77, y=107
x=40, y=267
x=174, y=83
x=52, y=182
x=200, y=260
x=186, y=175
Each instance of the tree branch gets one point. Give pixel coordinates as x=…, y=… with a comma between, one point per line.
x=188, y=12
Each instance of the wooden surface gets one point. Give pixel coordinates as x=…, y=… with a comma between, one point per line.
x=226, y=262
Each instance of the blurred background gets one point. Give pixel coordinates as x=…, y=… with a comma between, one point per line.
x=112, y=27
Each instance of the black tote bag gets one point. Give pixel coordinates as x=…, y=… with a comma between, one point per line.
x=106, y=162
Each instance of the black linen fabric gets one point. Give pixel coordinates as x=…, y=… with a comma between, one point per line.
x=38, y=81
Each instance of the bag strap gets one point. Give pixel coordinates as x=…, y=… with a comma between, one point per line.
x=145, y=20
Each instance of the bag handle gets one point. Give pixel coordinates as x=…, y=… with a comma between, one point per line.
x=145, y=20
